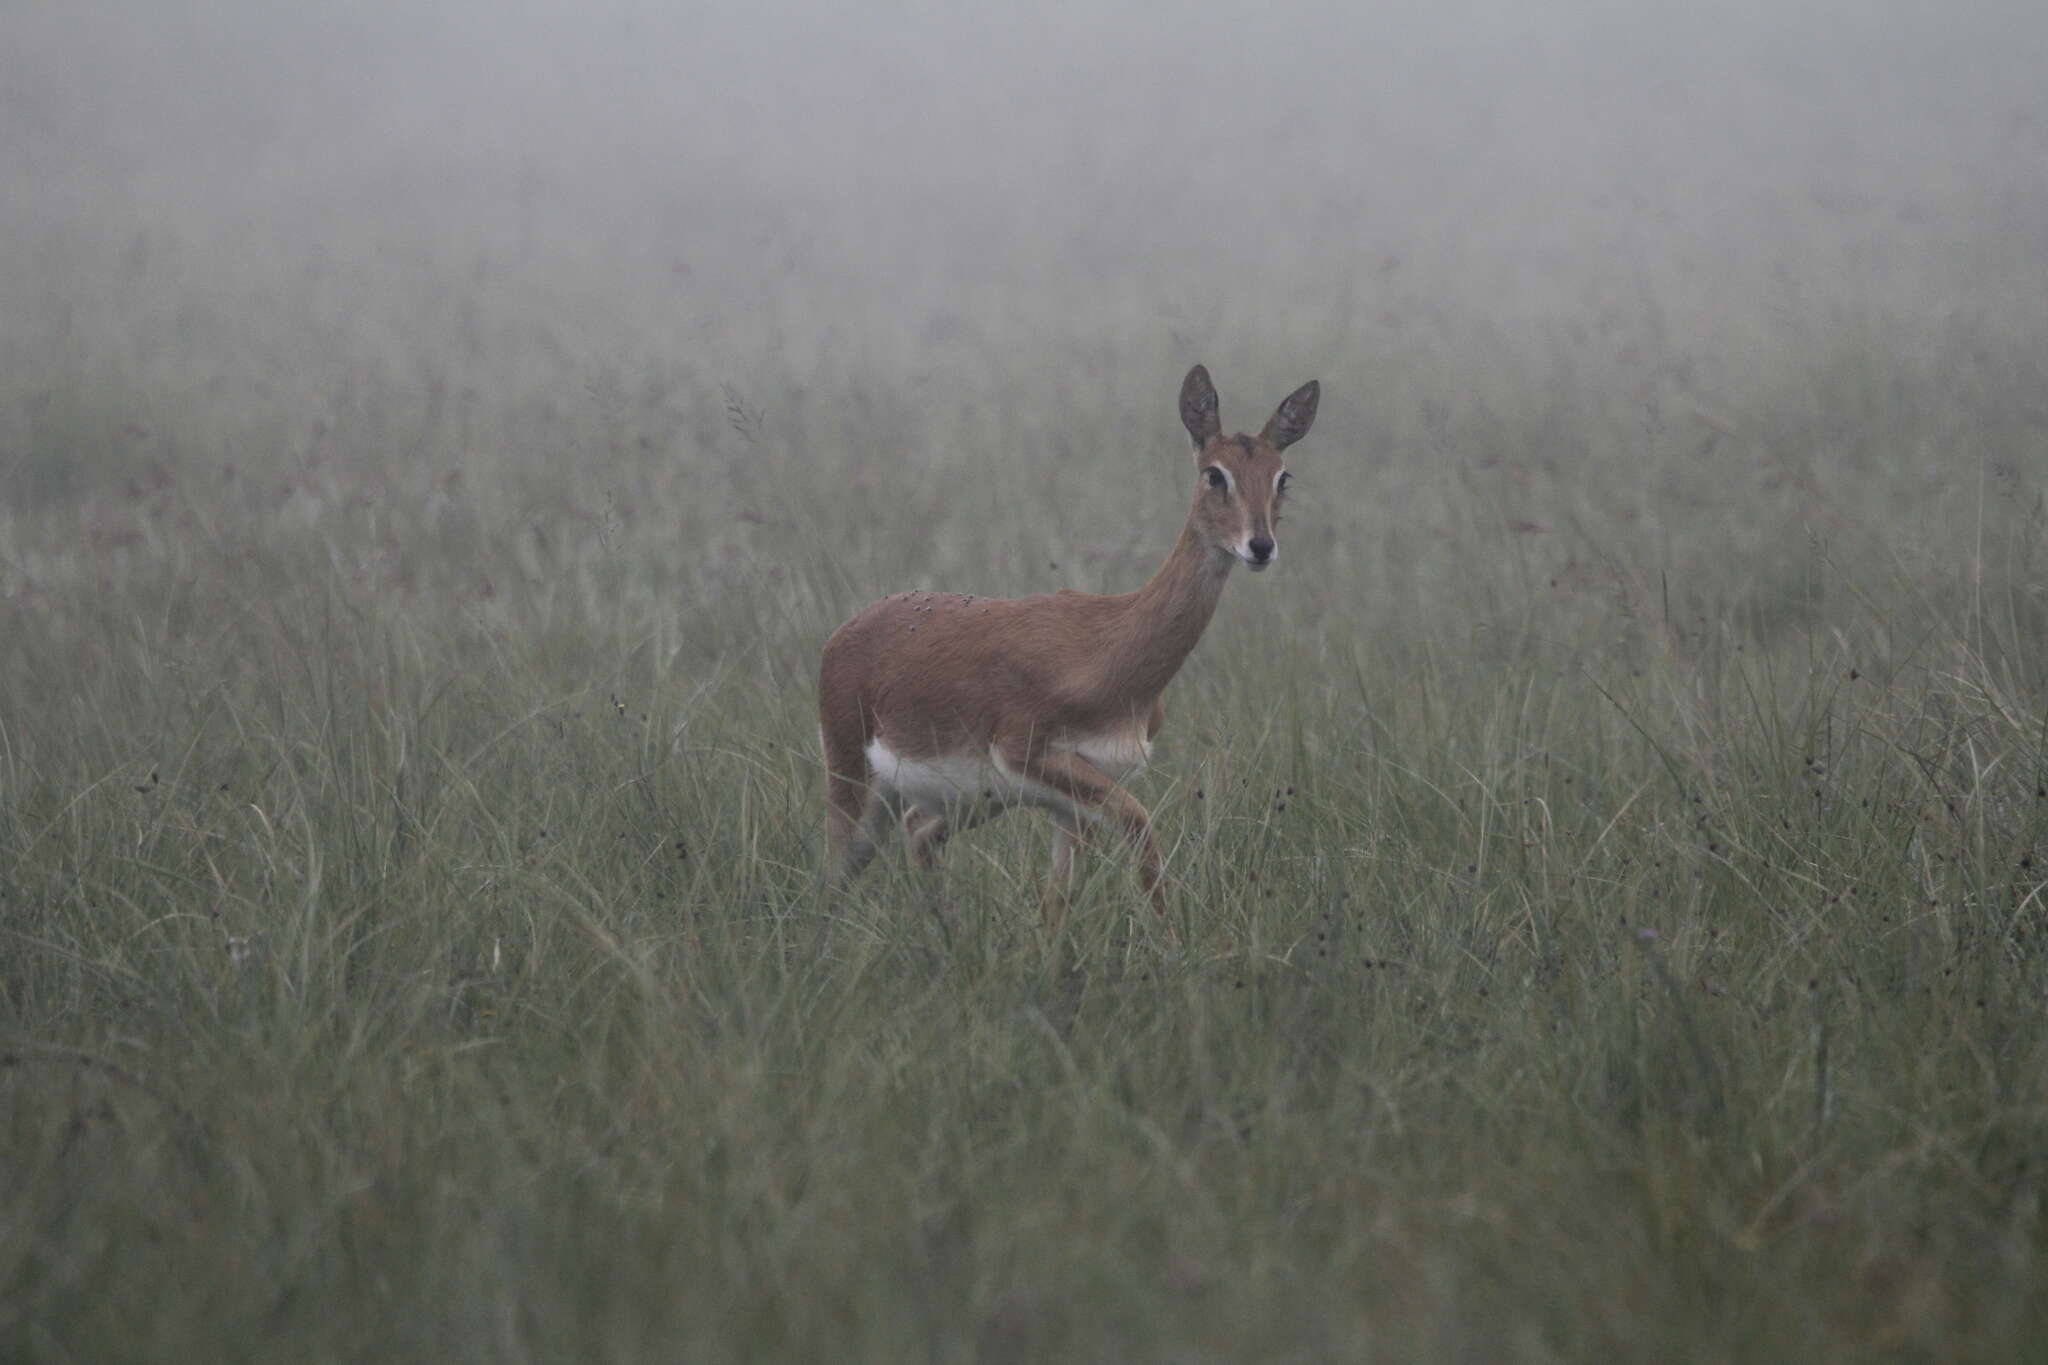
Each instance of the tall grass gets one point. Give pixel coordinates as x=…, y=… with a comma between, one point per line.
x=1606, y=856
x=1611, y=911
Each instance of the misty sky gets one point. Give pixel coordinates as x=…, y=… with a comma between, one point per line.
x=1501, y=153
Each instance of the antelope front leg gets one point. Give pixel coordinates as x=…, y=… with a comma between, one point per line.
x=1067, y=836
x=1093, y=796
x=925, y=835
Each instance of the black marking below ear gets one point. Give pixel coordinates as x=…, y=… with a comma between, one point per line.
x=1198, y=409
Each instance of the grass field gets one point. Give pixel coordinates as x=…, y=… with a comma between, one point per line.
x=1607, y=854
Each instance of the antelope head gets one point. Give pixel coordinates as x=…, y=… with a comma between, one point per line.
x=1240, y=481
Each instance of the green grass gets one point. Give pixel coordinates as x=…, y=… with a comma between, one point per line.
x=1607, y=854
x=415, y=950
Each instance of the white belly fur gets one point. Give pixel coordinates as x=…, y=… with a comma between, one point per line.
x=982, y=780
x=1120, y=754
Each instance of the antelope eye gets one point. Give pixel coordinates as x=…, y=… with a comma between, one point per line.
x=1216, y=478
x=1285, y=479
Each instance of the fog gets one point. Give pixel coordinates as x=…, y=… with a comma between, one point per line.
x=243, y=199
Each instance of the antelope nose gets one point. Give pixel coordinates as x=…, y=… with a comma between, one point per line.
x=1261, y=548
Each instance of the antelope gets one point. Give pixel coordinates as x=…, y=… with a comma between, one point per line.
x=943, y=711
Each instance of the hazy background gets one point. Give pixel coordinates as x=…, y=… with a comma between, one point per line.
x=1569, y=202
x=1633, y=321
x=435, y=442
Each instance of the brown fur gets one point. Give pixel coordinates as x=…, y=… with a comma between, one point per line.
x=938, y=674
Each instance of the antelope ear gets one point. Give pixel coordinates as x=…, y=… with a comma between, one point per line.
x=1292, y=419
x=1198, y=407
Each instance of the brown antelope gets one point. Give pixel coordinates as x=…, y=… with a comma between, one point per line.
x=947, y=710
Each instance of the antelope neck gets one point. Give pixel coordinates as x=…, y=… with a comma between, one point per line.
x=1166, y=617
